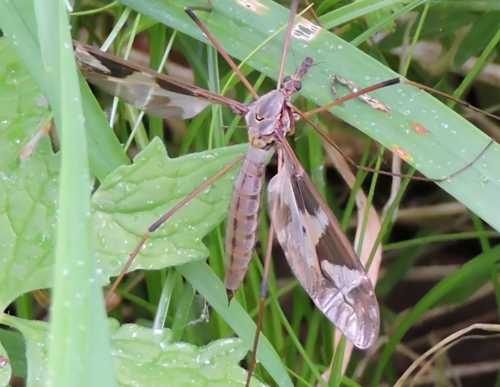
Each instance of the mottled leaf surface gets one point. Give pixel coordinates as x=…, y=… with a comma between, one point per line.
x=132, y=197
x=27, y=188
x=128, y=200
x=144, y=357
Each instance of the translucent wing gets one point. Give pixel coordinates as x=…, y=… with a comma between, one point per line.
x=143, y=92
x=320, y=254
x=155, y=93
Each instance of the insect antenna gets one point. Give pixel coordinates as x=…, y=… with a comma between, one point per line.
x=395, y=81
x=222, y=51
x=167, y=215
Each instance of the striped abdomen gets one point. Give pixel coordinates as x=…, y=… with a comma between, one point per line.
x=243, y=216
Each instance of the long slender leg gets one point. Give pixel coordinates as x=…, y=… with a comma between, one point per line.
x=345, y=98
x=167, y=215
x=395, y=81
x=30, y=147
x=262, y=303
x=324, y=135
x=221, y=51
x=380, y=85
x=465, y=104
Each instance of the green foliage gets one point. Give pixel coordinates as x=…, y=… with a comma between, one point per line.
x=433, y=153
x=28, y=188
x=127, y=201
x=453, y=289
x=5, y=367
x=145, y=357
x=132, y=197
x=129, y=197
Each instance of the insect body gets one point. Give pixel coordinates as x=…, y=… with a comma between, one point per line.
x=319, y=253
x=268, y=118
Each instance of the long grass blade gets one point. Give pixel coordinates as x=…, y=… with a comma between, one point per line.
x=79, y=347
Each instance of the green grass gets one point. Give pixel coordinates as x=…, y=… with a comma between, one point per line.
x=55, y=234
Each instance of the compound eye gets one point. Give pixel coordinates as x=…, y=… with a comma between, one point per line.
x=259, y=118
x=298, y=85
x=287, y=79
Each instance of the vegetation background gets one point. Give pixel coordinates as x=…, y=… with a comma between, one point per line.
x=69, y=218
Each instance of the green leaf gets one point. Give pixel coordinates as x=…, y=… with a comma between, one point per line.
x=23, y=108
x=5, y=367
x=148, y=358
x=128, y=200
x=145, y=357
x=27, y=188
x=17, y=22
x=79, y=345
x=357, y=9
x=132, y=197
x=13, y=342
x=123, y=207
x=450, y=142
x=206, y=282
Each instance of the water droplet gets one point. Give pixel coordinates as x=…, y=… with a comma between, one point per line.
x=3, y=361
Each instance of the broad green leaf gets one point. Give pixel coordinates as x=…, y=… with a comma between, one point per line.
x=132, y=197
x=17, y=22
x=27, y=188
x=5, y=367
x=127, y=201
x=449, y=143
x=27, y=215
x=148, y=358
x=144, y=357
x=23, y=108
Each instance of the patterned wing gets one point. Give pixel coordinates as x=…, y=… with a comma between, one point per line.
x=155, y=93
x=320, y=254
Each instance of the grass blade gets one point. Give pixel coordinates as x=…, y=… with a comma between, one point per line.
x=79, y=348
x=450, y=141
x=481, y=265
x=17, y=23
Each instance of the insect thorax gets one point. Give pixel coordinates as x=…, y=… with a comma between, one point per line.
x=268, y=117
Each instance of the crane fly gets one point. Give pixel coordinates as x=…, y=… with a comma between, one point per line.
x=318, y=252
